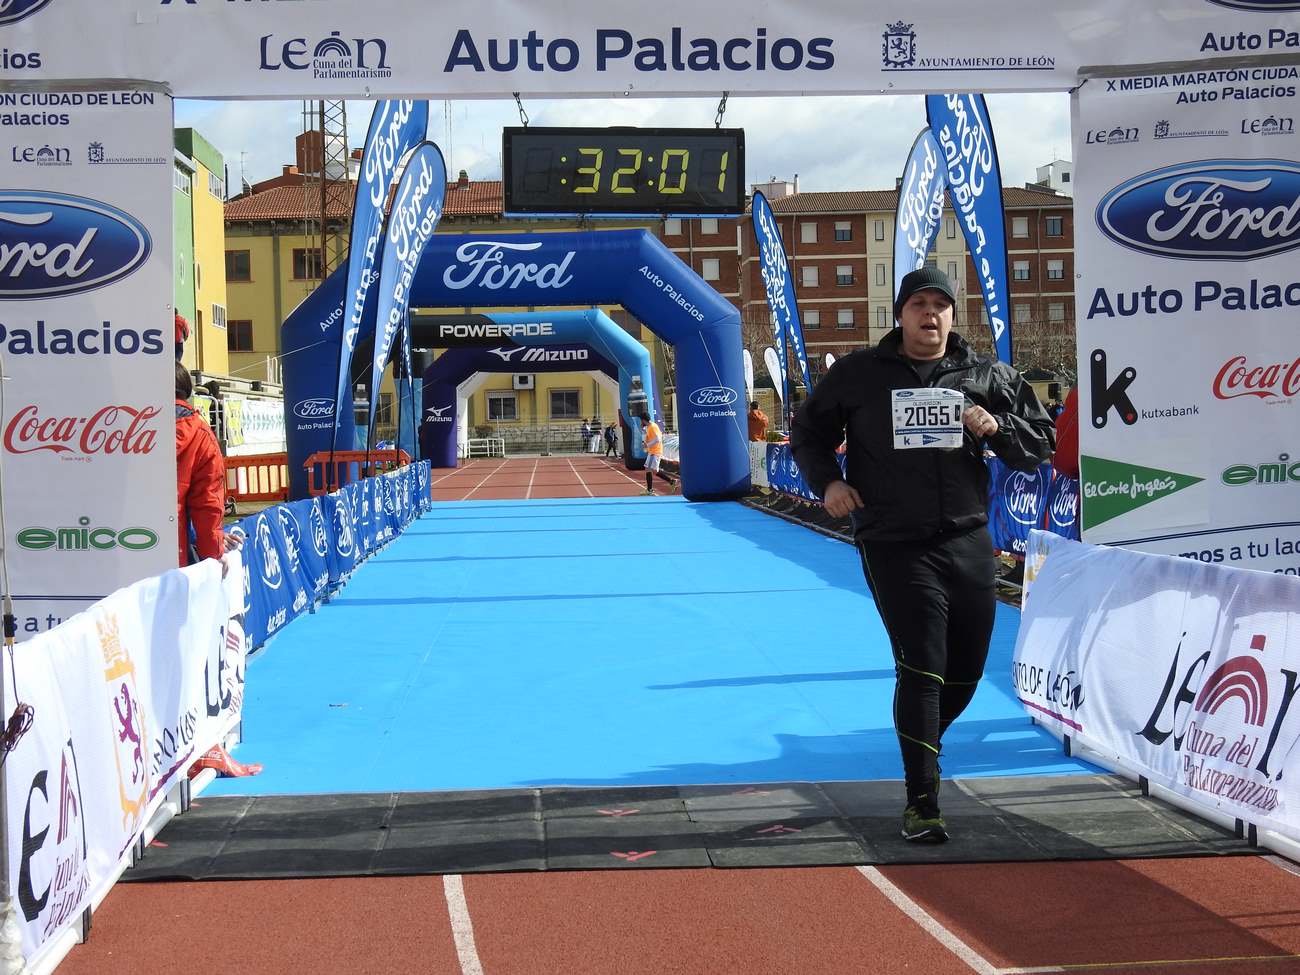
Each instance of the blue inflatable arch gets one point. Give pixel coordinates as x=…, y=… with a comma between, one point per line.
x=634, y=269
x=563, y=341
x=627, y=267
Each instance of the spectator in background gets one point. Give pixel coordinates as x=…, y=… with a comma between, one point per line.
x=611, y=440
x=757, y=422
x=1066, y=458
x=182, y=333
x=200, y=479
x=586, y=436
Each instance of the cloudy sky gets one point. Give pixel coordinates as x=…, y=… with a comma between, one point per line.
x=831, y=143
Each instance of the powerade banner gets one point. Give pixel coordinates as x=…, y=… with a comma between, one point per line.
x=295, y=553
x=961, y=127
x=1189, y=358
x=1170, y=669
x=779, y=285
x=920, y=206
x=377, y=49
x=87, y=337
x=417, y=207
x=395, y=126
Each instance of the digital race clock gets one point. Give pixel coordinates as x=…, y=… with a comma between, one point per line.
x=623, y=170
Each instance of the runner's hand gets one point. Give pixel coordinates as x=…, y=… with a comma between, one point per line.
x=980, y=422
x=841, y=499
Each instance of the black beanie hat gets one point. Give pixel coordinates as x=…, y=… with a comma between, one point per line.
x=919, y=280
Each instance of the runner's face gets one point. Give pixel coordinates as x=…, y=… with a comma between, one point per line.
x=926, y=320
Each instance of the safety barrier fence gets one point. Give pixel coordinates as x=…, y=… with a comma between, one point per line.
x=258, y=477
x=327, y=471
x=1019, y=501
x=128, y=695
x=120, y=701
x=1178, y=673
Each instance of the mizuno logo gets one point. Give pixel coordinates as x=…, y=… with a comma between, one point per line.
x=505, y=354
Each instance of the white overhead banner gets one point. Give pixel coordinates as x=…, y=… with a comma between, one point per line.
x=393, y=48
x=87, y=342
x=1187, y=225
x=1180, y=672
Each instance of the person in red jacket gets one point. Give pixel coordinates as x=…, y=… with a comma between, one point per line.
x=200, y=478
x=182, y=333
x=1066, y=458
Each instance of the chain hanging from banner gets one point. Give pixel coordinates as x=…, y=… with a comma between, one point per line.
x=722, y=110
x=523, y=116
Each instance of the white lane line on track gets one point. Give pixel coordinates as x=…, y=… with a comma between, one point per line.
x=912, y=909
x=530, y=478
x=486, y=478
x=622, y=473
x=580, y=480
x=462, y=928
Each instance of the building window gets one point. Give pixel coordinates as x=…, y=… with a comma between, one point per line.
x=880, y=275
x=564, y=404
x=844, y=318
x=710, y=269
x=502, y=406
x=384, y=410
x=1019, y=226
x=807, y=233
x=812, y=319
x=1020, y=270
x=882, y=317
x=306, y=263
x=673, y=227
x=843, y=275
x=1021, y=314
x=808, y=276
x=1055, y=227
x=1056, y=270
x=1065, y=177
x=218, y=316
x=880, y=230
x=950, y=227
x=239, y=335
x=952, y=272
x=1055, y=312
x=709, y=226
x=843, y=230
x=239, y=266
x=216, y=186
x=181, y=180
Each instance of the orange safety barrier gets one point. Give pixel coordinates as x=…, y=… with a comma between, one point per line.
x=349, y=465
x=258, y=477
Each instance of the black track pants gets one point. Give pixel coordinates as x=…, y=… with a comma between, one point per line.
x=936, y=600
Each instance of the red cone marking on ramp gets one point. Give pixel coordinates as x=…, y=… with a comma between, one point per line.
x=749, y=790
x=160, y=844
x=632, y=855
x=618, y=812
x=779, y=828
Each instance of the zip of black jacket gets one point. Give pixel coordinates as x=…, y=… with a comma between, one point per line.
x=915, y=494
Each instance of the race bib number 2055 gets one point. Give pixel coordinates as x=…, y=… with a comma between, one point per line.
x=927, y=417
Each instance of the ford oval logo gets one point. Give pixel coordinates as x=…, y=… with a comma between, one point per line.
x=1023, y=497
x=714, y=396
x=54, y=244
x=1211, y=210
x=16, y=10
x=315, y=408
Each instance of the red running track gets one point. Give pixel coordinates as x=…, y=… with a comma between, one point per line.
x=1214, y=916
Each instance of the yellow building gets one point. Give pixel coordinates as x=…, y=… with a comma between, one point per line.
x=271, y=267
x=206, y=348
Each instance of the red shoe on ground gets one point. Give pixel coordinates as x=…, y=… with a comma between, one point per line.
x=218, y=758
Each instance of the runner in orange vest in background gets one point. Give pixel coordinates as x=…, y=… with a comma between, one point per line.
x=652, y=439
x=757, y=422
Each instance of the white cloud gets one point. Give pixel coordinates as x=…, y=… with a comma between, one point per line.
x=833, y=143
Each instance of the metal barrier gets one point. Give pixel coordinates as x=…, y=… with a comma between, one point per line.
x=484, y=447
x=349, y=466
x=258, y=477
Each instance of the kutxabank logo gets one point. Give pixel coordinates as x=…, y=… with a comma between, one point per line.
x=1111, y=488
x=12, y=11
x=1207, y=210
x=55, y=244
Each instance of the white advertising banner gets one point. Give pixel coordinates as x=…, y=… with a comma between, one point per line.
x=125, y=697
x=1187, y=224
x=392, y=48
x=1168, y=668
x=87, y=339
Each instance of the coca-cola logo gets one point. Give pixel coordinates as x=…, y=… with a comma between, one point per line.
x=110, y=430
x=1238, y=377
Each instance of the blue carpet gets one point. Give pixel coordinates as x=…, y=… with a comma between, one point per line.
x=608, y=641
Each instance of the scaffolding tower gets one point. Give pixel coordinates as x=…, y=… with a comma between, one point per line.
x=327, y=190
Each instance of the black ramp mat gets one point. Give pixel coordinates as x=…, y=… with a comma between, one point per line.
x=764, y=825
